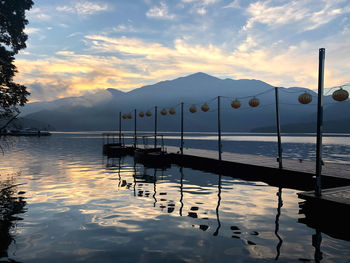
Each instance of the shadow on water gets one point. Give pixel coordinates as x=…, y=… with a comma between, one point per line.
x=12, y=203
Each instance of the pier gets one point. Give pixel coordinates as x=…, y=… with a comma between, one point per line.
x=296, y=174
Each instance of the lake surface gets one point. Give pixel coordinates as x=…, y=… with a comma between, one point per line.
x=77, y=206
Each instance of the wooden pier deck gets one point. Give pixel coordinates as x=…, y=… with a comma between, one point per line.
x=336, y=170
x=295, y=173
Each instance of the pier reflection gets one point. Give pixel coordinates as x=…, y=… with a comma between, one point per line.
x=165, y=186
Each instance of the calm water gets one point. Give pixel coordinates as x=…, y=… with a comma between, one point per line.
x=80, y=207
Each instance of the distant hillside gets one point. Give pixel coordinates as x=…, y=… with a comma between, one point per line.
x=100, y=111
x=336, y=126
x=22, y=123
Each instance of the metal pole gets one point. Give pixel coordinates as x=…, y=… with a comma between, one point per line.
x=278, y=130
x=155, y=126
x=182, y=129
x=219, y=129
x=135, y=129
x=318, y=190
x=120, y=127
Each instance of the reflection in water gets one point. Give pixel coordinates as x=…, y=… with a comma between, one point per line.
x=217, y=207
x=82, y=211
x=11, y=204
x=155, y=187
x=280, y=204
x=181, y=191
x=316, y=242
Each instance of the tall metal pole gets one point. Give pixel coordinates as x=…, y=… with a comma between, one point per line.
x=135, y=143
x=120, y=127
x=219, y=129
x=318, y=190
x=155, y=126
x=278, y=129
x=182, y=129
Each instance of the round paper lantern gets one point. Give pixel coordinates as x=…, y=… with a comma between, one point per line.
x=172, y=111
x=254, y=102
x=148, y=114
x=193, y=109
x=205, y=107
x=340, y=95
x=129, y=116
x=235, y=104
x=141, y=114
x=163, y=112
x=305, y=98
x=125, y=116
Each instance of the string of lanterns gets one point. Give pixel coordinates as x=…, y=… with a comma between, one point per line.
x=304, y=98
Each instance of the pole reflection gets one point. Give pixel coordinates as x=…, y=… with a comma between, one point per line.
x=155, y=187
x=217, y=207
x=316, y=243
x=280, y=241
x=181, y=191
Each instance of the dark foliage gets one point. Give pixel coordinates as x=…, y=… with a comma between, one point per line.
x=11, y=204
x=12, y=40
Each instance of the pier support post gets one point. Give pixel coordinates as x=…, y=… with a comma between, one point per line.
x=278, y=130
x=219, y=129
x=120, y=127
x=182, y=129
x=135, y=142
x=155, y=126
x=318, y=190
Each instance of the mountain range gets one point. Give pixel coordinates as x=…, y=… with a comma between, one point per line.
x=100, y=110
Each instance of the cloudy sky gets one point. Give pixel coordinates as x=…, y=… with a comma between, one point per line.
x=78, y=46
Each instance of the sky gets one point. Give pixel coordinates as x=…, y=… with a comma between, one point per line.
x=81, y=46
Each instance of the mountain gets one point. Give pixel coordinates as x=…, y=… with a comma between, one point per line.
x=100, y=111
x=333, y=126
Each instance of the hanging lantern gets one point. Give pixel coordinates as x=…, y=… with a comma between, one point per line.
x=129, y=116
x=141, y=114
x=235, y=104
x=254, y=102
x=148, y=114
x=340, y=95
x=172, y=111
x=305, y=98
x=205, y=107
x=163, y=112
x=193, y=109
x=125, y=116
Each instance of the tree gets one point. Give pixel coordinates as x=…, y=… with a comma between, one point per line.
x=12, y=40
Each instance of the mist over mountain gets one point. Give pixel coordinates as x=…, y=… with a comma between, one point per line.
x=100, y=111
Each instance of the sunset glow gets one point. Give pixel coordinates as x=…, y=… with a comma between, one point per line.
x=80, y=46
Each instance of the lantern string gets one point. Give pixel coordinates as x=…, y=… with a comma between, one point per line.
x=250, y=96
x=225, y=98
